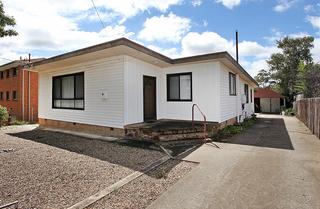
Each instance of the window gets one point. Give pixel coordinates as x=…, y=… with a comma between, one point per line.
x=8, y=73
x=14, y=95
x=68, y=91
x=232, y=84
x=1, y=75
x=246, y=92
x=1, y=95
x=14, y=72
x=179, y=87
x=251, y=95
x=8, y=95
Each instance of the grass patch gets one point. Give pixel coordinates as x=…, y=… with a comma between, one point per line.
x=232, y=130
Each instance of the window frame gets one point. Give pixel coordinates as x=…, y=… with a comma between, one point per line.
x=168, y=87
x=2, y=75
x=232, y=75
x=1, y=95
x=74, y=89
x=7, y=95
x=251, y=95
x=246, y=92
x=14, y=72
x=8, y=73
x=14, y=95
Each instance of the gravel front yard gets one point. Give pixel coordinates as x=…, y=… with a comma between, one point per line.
x=45, y=169
x=141, y=192
x=54, y=170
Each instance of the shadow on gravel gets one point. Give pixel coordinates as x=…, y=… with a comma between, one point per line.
x=267, y=132
x=134, y=155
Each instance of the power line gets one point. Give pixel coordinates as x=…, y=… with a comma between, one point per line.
x=98, y=14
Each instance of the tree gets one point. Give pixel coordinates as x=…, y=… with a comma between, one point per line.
x=6, y=21
x=263, y=78
x=284, y=66
x=312, y=81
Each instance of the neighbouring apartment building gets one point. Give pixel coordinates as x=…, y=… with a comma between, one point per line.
x=19, y=90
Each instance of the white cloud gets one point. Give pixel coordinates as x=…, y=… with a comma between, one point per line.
x=316, y=50
x=171, y=52
x=309, y=8
x=196, y=3
x=230, y=4
x=253, y=67
x=284, y=5
x=47, y=28
x=169, y=28
x=277, y=35
x=209, y=42
x=315, y=21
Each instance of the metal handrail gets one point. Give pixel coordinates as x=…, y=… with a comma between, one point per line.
x=204, y=120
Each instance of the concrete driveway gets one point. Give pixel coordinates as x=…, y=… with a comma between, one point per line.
x=275, y=164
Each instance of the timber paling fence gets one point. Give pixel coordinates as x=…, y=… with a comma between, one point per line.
x=308, y=111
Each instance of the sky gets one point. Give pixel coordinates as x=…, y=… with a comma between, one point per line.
x=175, y=28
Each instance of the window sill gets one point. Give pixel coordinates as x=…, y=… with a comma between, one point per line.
x=66, y=108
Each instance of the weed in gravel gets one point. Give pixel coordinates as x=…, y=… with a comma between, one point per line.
x=231, y=130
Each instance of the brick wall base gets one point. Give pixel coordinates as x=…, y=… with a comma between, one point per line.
x=80, y=127
x=229, y=122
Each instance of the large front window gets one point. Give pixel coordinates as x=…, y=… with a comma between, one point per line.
x=179, y=87
x=68, y=91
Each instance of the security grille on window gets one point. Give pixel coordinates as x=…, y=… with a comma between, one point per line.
x=8, y=95
x=68, y=91
x=14, y=72
x=232, y=84
x=246, y=92
x=179, y=87
x=14, y=95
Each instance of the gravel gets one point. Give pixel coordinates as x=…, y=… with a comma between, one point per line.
x=141, y=192
x=46, y=169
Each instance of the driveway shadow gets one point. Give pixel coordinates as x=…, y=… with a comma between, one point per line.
x=267, y=132
x=135, y=155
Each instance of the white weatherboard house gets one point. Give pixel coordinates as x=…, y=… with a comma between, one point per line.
x=102, y=88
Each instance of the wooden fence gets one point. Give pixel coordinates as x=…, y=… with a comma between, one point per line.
x=308, y=111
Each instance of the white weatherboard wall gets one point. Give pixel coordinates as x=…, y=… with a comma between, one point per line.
x=106, y=75
x=134, y=70
x=205, y=92
x=231, y=106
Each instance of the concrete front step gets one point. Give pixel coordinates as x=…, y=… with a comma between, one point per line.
x=169, y=130
x=176, y=137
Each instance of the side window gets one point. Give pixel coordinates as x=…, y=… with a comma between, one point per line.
x=246, y=92
x=232, y=84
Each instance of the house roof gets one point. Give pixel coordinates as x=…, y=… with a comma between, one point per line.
x=134, y=49
x=17, y=63
x=266, y=93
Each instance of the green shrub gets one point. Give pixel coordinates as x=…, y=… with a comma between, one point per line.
x=3, y=115
x=235, y=129
x=290, y=112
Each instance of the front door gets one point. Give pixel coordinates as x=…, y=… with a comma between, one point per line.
x=149, y=98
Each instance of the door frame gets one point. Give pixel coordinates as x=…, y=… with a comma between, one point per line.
x=143, y=98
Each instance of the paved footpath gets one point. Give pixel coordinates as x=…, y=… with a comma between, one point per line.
x=275, y=164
